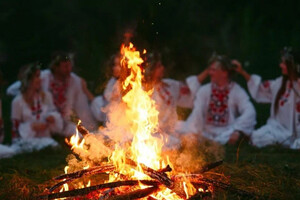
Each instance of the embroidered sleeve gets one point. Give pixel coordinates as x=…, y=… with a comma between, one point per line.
x=260, y=91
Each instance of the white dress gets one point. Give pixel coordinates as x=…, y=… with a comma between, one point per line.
x=283, y=127
x=75, y=101
x=168, y=95
x=218, y=112
x=43, y=107
x=111, y=93
x=23, y=116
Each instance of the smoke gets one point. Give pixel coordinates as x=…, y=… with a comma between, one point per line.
x=195, y=152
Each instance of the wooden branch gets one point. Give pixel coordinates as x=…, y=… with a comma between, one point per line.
x=210, y=166
x=166, y=169
x=87, y=190
x=156, y=175
x=82, y=130
x=135, y=194
x=92, y=170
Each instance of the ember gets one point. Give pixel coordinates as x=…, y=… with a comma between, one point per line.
x=136, y=169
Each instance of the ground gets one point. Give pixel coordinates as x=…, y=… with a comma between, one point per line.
x=271, y=173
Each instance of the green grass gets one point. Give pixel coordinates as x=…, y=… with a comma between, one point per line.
x=272, y=172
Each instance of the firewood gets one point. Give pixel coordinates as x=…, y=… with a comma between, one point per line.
x=82, y=130
x=93, y=170
x=87, y=190
x=137, y=194
x=156, y=175
x=210, y=166
x=166, y=169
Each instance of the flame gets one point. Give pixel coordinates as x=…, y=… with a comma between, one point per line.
x=145, y=148
x=146, y=145
x=75, y=141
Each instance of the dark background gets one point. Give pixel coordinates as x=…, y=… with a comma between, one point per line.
x=185, y=31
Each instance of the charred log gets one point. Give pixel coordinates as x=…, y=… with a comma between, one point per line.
x=87, y=190
x=136, y=194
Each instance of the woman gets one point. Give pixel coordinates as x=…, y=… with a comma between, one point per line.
x=33, y=112
x=222, y=109
x=283, y=126
x=112, y=90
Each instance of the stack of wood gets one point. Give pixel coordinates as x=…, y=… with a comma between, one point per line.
x=159, y=181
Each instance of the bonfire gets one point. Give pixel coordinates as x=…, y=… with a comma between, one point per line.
x=132, y=165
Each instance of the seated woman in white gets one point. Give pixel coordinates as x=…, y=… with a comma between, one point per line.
x=33, y=112
x=67, y=93
x=222, y=109
x=283, y=126
x=112, y=91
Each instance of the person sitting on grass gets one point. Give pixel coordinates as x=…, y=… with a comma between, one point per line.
x=222, y=109
x=67, y=92
x=33, y=115
x=112, y=91
x=283, y=93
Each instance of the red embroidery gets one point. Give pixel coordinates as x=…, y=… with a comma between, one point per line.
x=266, y=84
x=164, y=94
x=36, y=108
x=15, y=128
x=217, y=113
x=286, y=94
x=59, y=90
x=184, y=90
x=298, y=106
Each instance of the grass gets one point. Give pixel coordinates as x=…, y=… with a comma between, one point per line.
x=272, y=172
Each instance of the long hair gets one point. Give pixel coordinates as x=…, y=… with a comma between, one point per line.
x=29, y=73
x=291, y=59
x=225, y=63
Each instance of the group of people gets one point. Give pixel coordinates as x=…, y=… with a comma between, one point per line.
x=46, y=102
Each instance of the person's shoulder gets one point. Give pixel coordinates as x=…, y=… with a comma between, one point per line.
x=237, y=88
x=18, y=99
x=205, y=87
x=169, y=81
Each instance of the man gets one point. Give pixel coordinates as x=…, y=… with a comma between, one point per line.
x=222, y=109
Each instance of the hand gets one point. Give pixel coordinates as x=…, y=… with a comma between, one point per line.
x=203, y=75
x=83, y=85
x=39, y=126
x=234, y=137
x=238, y=67
x=50, y=119
x=86, y=91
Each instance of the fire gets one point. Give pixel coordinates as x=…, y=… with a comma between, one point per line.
x=145, y=148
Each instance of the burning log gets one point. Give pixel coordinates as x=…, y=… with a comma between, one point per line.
x=166, y=169
x=136, y=194
x=82, y=130
x=87, y=190
x=75, y=175
x=93, y=170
